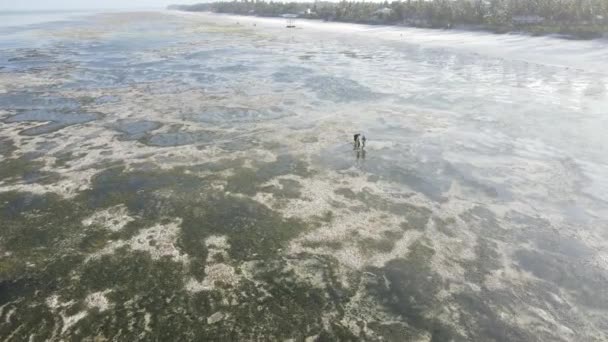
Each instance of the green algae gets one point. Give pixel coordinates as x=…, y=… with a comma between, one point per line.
x=34, y=322
x=254, y=231
x=487, y=259
x=411, y=291
x=416, y=216
x=277, y=305
x=244, y=181
x=585, y=284
x=23, y=169
x=285, y=307
x=94, y=240
x=170, y=139
x=133, y=277
x=147, y=297
x=485, y=221
x=249, y=181
x=392, y=235
x=64, y=158
x=335, y=245
x=289, y=189
x=324, y=219
x=371, y=246
x=7, y=147
x=39, y=222
x=479, y=319
x=327, y=217
x=395, y=332
x=445, y=226
x=48, y=243
x=410, y=288
x=346, y=192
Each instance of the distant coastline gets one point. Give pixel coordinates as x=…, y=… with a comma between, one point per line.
x=498, y=17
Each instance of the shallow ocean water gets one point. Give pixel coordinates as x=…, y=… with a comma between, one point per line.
x=192, y=176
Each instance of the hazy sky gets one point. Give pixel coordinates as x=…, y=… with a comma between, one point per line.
x=86, y=4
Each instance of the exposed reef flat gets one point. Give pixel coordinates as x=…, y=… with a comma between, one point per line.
x=184, y=177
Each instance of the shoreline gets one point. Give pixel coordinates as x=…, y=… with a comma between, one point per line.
x=499, y=30
x=550, y=51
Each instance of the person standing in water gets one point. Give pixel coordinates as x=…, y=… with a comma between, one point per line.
x=359, y=141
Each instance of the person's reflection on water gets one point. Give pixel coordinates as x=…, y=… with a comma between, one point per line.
x=360, y=154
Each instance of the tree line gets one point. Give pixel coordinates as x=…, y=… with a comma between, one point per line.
x=578, y=18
